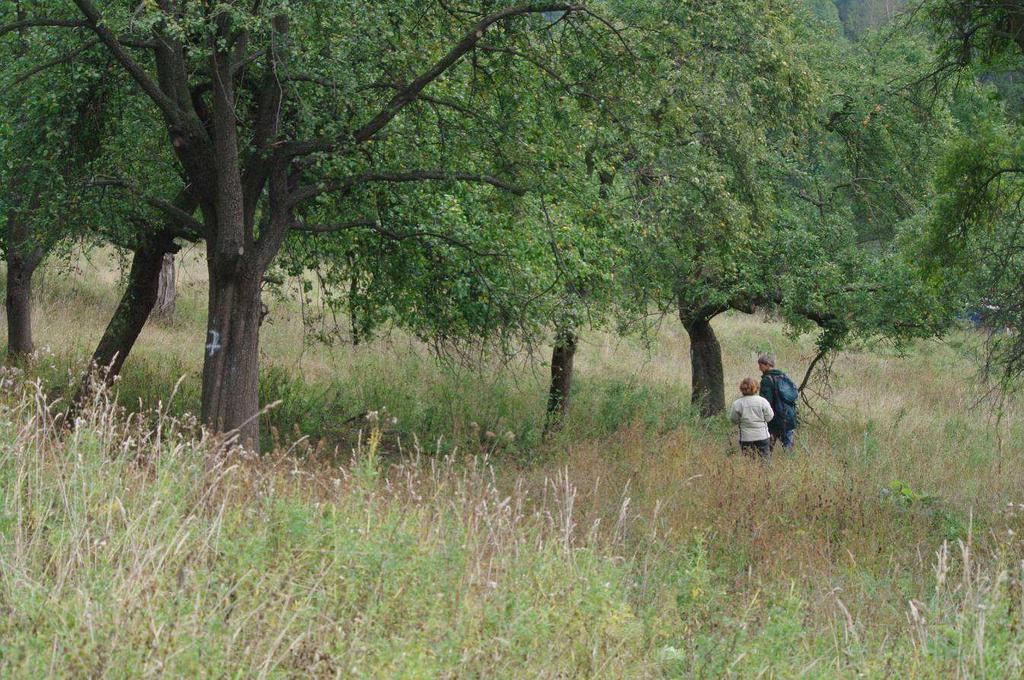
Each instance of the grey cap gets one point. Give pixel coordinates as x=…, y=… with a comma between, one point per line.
x=766, y=359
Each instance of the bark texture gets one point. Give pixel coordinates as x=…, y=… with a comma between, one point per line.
x=22, y=261
x=231, y=366
x=167, y=292
x=563, y=355
x=126, y=324
x=708, y=382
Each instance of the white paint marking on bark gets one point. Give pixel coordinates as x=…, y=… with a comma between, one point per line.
x=214, y=344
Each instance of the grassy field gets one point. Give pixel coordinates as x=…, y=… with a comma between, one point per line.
x=632, y=545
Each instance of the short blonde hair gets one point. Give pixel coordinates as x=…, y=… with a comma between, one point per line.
x=749, y=387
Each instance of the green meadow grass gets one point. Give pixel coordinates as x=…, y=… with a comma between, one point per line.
x=633, y=544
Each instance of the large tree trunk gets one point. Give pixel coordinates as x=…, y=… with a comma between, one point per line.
x=166, y=291
x=563, y=355
x=708, y=386
x=126, y=324
x=231, y=367
x=235, y=263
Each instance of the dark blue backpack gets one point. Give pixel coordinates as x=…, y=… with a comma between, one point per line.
x=786, y=395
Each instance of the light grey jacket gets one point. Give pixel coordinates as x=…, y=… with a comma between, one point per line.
x=752, y=415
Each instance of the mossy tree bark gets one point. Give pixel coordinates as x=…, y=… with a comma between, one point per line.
x=563, y=355
x=128, y=320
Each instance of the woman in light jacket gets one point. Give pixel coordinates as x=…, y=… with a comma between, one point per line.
x=752, y=413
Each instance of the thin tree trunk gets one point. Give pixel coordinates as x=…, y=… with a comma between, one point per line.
x=231, y=366
x=563, y=355
x=23, y=259
x=167, y=292
x=708, y=386
x=126, y=324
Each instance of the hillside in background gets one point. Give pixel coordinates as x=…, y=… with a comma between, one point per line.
x=859, y=16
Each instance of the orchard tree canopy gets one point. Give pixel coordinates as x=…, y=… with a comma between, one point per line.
x=283, y=120
x=504, y=171
x=975, y=244
x=778, y=173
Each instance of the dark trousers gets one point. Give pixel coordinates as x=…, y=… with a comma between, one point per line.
x=759, y=449
x=785, y=438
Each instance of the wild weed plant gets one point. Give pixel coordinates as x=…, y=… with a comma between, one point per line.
x=137, y=545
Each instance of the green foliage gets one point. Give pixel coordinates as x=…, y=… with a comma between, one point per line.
x=905, y=497
x=453, y=262
x=947, y=523
x=866, y=178
x=758, y=158
x=703, y=181
x=53, y=125
x=972, y=242
x=789, y=178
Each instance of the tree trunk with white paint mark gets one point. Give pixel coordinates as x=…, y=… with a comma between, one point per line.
x=231, y=365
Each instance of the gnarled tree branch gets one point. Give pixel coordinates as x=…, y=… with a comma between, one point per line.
x=308, y=192
x=95, y=21
x=190, y=225
x=41, y=22
x=410, y=92
x=377, y=228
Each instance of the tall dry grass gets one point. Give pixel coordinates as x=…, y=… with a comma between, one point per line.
x=135, y=547
x=634, y=545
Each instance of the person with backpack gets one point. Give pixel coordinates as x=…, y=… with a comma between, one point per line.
x=752, y=413
x=781, y=393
